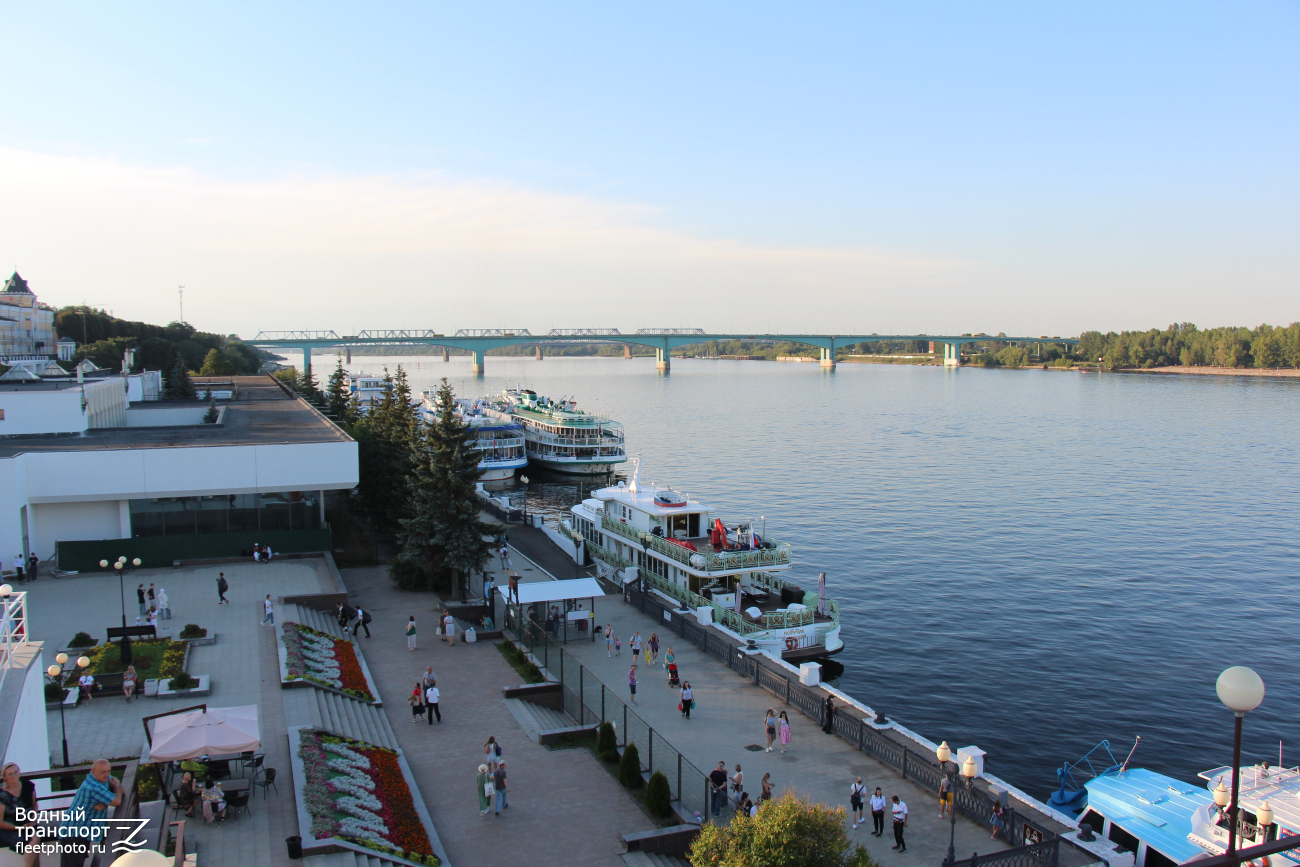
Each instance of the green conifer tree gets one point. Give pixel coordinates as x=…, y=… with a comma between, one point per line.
x=176, y=383
x=338, y=397
x=442, y=538
x=386, y=443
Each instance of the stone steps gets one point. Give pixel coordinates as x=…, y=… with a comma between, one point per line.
x=537, y=720
x=653, y=859
x=349, y=859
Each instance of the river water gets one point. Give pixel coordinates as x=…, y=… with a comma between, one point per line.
x=1029, y=561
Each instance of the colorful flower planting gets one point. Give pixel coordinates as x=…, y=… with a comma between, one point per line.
x=320, y=658
x=356, y=791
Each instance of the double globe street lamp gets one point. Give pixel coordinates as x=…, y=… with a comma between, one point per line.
x=122, y=568
x=1241, y=690
x=968, y=770
x=55, y=673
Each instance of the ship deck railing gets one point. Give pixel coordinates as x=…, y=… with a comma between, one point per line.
x=608, y=440
x=713, y=561
x=564, y=417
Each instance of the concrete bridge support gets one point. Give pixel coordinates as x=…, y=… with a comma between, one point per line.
x=627, y=350
x=663, y=359
x=828, y=358
x=445, y=355
x=306, y=360
x=476, y=367
x=952, y=355
x=349, y=353
x=538, y=356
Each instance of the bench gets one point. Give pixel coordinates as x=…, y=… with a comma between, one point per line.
x=132, y=632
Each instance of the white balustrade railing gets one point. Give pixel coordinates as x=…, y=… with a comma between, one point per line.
x=13, y=629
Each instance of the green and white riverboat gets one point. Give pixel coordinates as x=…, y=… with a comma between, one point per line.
x=562, y=438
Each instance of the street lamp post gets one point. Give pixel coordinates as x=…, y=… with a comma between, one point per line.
x=55, y=673
x=122, y=568
x=1241, y=690
x=524, y=479
x=968, y=770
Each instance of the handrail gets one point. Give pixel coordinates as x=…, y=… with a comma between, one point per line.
x=13, y=629
x=179, y=859
x=722, y=616
x=713, y=562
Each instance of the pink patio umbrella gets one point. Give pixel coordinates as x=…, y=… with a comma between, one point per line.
x=216, y=731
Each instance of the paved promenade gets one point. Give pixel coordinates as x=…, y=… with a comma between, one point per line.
x=728, y=721
x=565, y=809
x=242, y=663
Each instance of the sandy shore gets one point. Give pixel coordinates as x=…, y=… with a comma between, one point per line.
x=1221, y=371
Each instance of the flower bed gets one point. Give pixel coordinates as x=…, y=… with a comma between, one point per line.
x=152, y=658
x=357, y=792
x=320, y=658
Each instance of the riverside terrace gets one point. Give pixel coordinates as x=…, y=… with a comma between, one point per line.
x=663, y=341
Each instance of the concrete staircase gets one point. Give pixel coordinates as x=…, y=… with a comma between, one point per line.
x=653, y=859
x=318, y=708
x=538, y=721
x=351, y=859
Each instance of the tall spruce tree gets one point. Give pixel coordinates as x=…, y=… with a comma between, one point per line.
x=386, y=442
x=442, y=537
x=176, y=383
x=339, y=400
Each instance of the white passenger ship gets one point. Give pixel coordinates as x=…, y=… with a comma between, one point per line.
x=500, y=440
x=725, y=572
x=562, y=438
x=367, y=388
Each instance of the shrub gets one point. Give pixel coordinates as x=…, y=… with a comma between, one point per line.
x=54, y=692
x=629, y=769
x=788, y=830
x=182, y=681
x=193, y=630
x=81, y=639
x=658, y=797
x=146, y=783
x=606, y=742
x=534, y=673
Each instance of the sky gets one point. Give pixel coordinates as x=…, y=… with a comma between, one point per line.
x=859, y=167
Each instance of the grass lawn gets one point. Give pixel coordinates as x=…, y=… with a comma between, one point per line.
x=149, y=658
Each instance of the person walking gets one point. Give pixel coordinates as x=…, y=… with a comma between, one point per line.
x=769, y=728
x=416, y=701
x=164, y=606
x=654, y=648
x=485, y=790
x=997, y=821
x=431, y=699
x=878, y=813
x=718, y=788
x=609, y=640
x=618, y=646
x=783, y=729
x=512, y=586
x=945, y=796
x=631, y=682
x=857, y=792
x=19, y=563
x=501, y=786
x=669, y=658
x=363, y=622
x=139, y=597
x=430, y=679
x=410, y=633
x=449, y=628
x=828, y=721
x=269, y=608
x=222, y=586
x=635, y=644
x=767, y=786
x=33, y=567
x=504, y=553
x=900, y=823
x=688, y=701
x=152, y=596
x=492, y=750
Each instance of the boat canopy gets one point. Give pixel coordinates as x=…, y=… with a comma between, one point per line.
x=1152, y=807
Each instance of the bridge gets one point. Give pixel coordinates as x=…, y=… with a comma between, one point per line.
x=477, y=341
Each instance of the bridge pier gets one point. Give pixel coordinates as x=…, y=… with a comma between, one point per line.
x=476, y=367
x=538, y=356
x=349, y=353
x=446, y=356
x=306, y=360
x=663, y=359
x=952, y=355
x=627, y=350
x=828, y=358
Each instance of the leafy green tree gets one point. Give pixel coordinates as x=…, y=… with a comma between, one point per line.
x=106, y=353
x=787, y=832
x=441, y=536
x=216, y=364
x=289, y=376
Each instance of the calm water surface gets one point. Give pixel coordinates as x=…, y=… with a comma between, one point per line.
x=1029, y=561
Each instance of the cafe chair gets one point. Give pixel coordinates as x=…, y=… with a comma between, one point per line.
x=239, y=801
x=267, y=781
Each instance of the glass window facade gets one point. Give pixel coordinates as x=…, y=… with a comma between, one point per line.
x=231, y=513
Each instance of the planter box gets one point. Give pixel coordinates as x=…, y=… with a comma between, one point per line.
x=69, y=700
x=74, y=652
x=210, y=638
x=151, y=687
x=204, y=688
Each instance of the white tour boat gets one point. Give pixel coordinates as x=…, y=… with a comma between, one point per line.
x=562, y=438
x=727, y=573
x=367, y=388
x=500, y=440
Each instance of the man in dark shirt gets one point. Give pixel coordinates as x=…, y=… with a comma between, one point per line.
x=718, y=787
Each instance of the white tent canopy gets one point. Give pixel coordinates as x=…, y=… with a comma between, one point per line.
x=556, y=591
x=216, y=731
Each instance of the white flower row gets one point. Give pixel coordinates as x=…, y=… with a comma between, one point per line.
x=363, y=830
x=357, y=775
x=348, y=755
x=352, y=806
x=355, y=792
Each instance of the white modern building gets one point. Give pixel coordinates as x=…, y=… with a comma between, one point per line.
x=89, y=462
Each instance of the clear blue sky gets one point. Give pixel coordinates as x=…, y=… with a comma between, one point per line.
x=1004, y=167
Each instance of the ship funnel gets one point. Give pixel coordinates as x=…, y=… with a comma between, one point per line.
x=636, y=474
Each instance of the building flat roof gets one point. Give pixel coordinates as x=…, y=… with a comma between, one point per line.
x=261, y=414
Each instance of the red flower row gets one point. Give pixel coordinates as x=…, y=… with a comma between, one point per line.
x=397, y=807
x=349, y=668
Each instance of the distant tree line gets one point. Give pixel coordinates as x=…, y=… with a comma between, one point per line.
x=104, y=338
